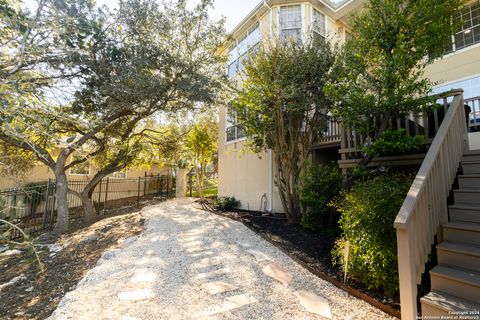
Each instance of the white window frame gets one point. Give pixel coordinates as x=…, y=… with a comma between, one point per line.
x=473, y=45
x=302, y=20
x=73, y=173
x=234, y=47
x=235, y=125
x=325, y=23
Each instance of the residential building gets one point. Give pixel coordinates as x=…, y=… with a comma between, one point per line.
x=250, y=177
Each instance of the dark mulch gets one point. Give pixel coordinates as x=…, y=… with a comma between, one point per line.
x=313, y=249
x=37, y=295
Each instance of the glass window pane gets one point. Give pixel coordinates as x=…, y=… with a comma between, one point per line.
x=291, y=35
x=319, y=23
x=290, y=17
x=240, y=132
x=230, y=134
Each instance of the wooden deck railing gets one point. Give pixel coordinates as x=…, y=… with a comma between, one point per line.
x=474, y=118
x=425, y=207
x=426, y=124
x=332, y=133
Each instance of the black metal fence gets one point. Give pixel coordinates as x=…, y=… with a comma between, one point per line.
x=33, y=207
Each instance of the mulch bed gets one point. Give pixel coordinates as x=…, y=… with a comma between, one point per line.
x=37, y=295
x=313, y=251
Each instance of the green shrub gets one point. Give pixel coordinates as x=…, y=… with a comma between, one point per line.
x=394, y=142
x=227, y=203
x=319, y=185
x=367, y=215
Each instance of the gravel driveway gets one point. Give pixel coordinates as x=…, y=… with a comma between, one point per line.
x=191, y=264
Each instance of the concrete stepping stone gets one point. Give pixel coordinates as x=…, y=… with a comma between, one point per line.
x=314, y=303
x=217, y=287
x=232, y=303
x=242, y=244
x=137, y=295
x=213, y=273
x=143, y=275
x=278, y=273
x=260, y=256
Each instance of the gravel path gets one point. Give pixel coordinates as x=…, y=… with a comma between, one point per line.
x=191, y=264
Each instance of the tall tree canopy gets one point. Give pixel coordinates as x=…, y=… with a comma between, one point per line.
x=83, y=81
x=380, y=71
x=282, y=106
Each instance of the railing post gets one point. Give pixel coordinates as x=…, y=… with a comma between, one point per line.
x=138, y=193
x=407, y=273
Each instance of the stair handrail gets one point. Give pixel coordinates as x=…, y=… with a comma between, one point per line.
x=425, y=207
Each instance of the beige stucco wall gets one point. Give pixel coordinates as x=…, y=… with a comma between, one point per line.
x=460, y=65
x=43, y=173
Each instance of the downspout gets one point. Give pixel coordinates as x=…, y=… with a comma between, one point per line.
x=270, y=181
x=265, y=3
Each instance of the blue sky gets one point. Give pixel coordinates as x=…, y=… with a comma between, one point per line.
x=233, y=10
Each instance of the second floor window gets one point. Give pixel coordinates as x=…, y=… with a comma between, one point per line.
x=319, y=26
x=469, y=33
x=291, y=23
x=234, y=130
x=244, y=48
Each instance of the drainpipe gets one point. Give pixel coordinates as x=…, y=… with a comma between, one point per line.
x=270, y=181
x=265, y=3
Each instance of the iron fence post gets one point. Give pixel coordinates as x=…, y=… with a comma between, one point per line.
x=145, y=185
x=106, y=197
x=138, y=193
x=190, y=182
x=99, y=198
x=47, y=196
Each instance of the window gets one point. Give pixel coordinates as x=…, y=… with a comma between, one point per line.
x=319, y=26
x=234, y=130
x=291, y=23
x=243, y=50
x=82, y=169
x=122, y=174
x=469, y=33
x=471, y=87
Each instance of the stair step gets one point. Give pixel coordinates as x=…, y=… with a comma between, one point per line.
x=471, y=156
x=459, y=255
x=458, y=282
x=467, y=233
x=471, y=167
x=469, y=181
x=438, y=304
x=464, y=213
x=467, y=196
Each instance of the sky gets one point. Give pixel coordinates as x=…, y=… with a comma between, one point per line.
x=233, y=10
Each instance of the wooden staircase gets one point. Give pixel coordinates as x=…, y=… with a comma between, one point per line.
x=455, y=281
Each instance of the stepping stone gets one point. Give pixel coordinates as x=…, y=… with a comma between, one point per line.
x=199, y=254
x=278, y=273
x=136, y=295
x=217, y=287
x=314, y=303
x=205, y=275
x=260, y=256
x=143, y=275
x=232, y=303
x=206, y=262
x=243, y=244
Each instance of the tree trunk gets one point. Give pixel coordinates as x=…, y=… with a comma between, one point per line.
x=61, y=193
x=90, y=214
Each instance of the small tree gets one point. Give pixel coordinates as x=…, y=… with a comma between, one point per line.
x=282, y=107
x=202, y=141
x=380, y=71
